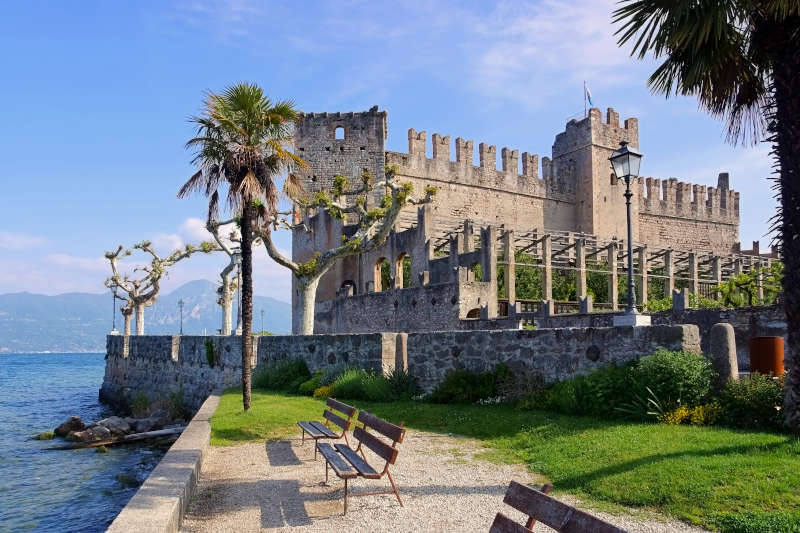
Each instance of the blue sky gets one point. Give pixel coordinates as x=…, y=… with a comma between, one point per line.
x=97, y=95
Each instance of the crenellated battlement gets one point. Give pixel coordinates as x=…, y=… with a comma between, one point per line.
x=462, y=170
x=674, y=198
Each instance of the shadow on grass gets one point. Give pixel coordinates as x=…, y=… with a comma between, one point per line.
x=584, y=480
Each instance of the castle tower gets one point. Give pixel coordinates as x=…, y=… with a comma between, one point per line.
x=580, y=162
x=341, y=143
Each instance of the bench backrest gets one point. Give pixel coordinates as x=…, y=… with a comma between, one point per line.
x=551, y=512
x=391, y=431
x=343, y=408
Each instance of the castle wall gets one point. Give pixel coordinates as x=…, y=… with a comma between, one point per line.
x=686, y=216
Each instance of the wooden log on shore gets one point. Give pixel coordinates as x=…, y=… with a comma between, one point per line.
x=133, y=437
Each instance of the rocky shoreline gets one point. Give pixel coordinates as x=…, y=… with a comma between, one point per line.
x=113, y=428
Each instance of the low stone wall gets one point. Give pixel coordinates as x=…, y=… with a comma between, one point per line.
x=164, y=367
x=159, y=504
x=191, y=367
x=747, y=322
x=556, y=354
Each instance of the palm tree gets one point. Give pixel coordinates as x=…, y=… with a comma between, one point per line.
x=740, y=58
x=241, y=143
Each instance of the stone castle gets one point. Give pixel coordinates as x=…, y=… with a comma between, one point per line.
x=564, y=212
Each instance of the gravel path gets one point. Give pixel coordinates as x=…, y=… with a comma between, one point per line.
x=279, y=487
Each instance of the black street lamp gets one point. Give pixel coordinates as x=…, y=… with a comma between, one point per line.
x=626, y=162
x=113, y=287
x=180, y=304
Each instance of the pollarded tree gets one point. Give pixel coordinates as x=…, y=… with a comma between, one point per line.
x=740, y=58
x=242, y=142
x=226, y=292
x=373, y=228
x=143, y=291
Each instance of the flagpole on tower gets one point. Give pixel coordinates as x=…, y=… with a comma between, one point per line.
x=584, y=98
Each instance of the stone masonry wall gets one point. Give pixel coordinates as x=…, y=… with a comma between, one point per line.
x=556, y=354
x=160, y=366
x=747, y=322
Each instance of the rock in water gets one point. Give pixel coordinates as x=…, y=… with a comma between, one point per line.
x=92, y=434
x=116, y=425
x=71, y=424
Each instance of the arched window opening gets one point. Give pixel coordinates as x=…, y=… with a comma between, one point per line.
x=382, y=276
x=339, y=133
x=474, y=313
x=349, y=284
x=403, y=271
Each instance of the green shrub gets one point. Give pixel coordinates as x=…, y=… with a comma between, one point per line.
x=324, y=392
x=753, y=403
x=675, y=378
x=332, y=373
x=376, y=388
x=705, y=415
x=282, y=376
x=467, y=386
x=309, y=386
x=212, y=354
x=523, y=388
x=402, y=385
x=350, y=384
x=601, y=392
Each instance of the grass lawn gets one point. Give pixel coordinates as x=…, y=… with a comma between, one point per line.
x=737, y=481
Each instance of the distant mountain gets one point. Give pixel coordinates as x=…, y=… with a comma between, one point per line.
x=79, y=322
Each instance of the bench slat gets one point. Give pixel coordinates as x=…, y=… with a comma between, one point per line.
x=387, y=429
x=336, y=419
x=341, y=407
x=503, y=524
x=381, y=449
x=324, y=430
x=337, y=462
x=553, y=513
x=311, y=430
x=357, y=461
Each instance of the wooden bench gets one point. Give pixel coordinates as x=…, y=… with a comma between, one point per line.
x=318, y=430
x=346, y=463
x=549, y=511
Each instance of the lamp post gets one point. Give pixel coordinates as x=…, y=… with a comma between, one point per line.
x=180, y=304
x=625, y=162
x=114, y=297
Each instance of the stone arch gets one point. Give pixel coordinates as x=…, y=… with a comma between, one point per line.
x=402, y=269
x=382, y=275
x=474, y=313
x=349, y=284
x=338, y=133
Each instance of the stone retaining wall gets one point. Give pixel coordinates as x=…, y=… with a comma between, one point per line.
x=556, y=354
x=164, y=367
x=159, y=504
x=747, y=322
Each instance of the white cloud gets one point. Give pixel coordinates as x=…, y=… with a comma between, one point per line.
x=12, y=240
x=167, y=242
x=194, y=230
x=93, y=264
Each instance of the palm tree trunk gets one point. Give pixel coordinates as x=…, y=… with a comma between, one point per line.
x=786, y=129
x=247, y=301
x=227, y=305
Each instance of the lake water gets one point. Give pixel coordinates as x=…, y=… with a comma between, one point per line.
x=63, y=490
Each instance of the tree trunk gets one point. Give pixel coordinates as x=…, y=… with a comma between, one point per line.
x=306, y=297
x=127, y=318
x=247, y=300
x=227, y=306
x=140, y=319
x=786, y=129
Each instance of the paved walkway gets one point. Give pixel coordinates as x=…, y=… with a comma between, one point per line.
x=278, y=486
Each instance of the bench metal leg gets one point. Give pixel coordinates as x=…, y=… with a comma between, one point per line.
x=345, y=495
x=326, y=472
x=394, y=488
